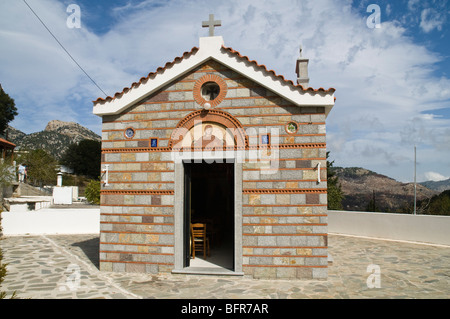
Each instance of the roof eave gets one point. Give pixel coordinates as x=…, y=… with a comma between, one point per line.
x=213, y=48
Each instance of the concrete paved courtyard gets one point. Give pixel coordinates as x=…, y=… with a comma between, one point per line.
x=66, y=267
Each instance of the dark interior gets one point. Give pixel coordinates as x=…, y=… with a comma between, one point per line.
x=212, y=202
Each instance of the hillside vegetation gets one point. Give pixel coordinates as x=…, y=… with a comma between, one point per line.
x=54, y=139
x=365, y=190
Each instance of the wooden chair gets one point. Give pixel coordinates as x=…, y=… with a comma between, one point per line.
x=200, y=242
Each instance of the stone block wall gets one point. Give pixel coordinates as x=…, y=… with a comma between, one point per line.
x=284, y=207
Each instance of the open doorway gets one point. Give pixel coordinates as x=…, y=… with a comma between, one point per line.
x=209, y=200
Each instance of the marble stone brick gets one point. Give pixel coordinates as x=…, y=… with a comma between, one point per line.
x=291, y=174
x=106, y=266
x=167, y=200
x=112, y=157
x=249, y=240
x=299, y=240
x=304, y=273
x=267, y=240
x=258, y=91
x=265, y=272
x=284, y=240
x=284, y=229
x=118, y=267
x=323, y=198
x=142, y=157
x=310, y=152
x=260, y=260
x=313, y=241
x=135, y=268
x=312, y=199
x=243, y=92
x=139, y=177
x=175, y=96
x=319, y=273
x=243, y=102
x=267, y=199
x=283, y=199
x=298, y=199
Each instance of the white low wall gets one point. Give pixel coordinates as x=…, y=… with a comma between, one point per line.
x=418, y=228
x=52, y=221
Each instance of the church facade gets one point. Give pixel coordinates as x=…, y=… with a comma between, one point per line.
x=215, y=138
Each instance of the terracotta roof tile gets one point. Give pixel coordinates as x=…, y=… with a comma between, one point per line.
x=330, y=90
x=192, y=51
x=150, y=75
x=6, y=143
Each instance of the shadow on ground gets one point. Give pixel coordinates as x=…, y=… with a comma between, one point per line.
x=90, y=248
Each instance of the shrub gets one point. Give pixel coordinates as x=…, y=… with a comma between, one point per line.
x=3, y=266
x=92, y=192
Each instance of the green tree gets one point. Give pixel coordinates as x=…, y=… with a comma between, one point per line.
x=372, y=205
x=92, y=192
x=7, y=174
x=437, y=205
x=335, y=194
x=84, y=158
x=41, y=167
x=8, y=110
x=3, y=270
x=2, y=273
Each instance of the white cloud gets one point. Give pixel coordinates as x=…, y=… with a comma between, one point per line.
x=384, y=80
x=433, y=176
x=431, y=19
x=412, y=4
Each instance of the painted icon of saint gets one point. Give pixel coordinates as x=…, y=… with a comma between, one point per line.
x=208, y=140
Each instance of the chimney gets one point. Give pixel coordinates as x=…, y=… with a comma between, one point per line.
x=302, y=70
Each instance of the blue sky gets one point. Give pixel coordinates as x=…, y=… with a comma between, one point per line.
x=392, y=82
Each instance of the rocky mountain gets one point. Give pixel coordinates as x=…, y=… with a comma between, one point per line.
x=361, y=186
x=55, y=138
x=439, y=186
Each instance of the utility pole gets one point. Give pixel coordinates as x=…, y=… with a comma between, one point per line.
x=415, y=186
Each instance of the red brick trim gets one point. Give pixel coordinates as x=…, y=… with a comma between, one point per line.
x=285, y=191
x=171, y=224
x=135, y=150
x=136, y=205
x=141, y=215
x=136, y=253
x=285, y=234
x=134, y=262
x=284, y=266
x=280, y=205
x=253, y=224
x=282, y=247
x=136, y=192
x=149, y=245
x=293, y=256
x=133, y=232
x=210, y=78
x=173, y=141
x=284, y=215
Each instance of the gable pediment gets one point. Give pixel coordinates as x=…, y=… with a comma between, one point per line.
x=213, y=48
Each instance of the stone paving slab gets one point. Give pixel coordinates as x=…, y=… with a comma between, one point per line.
x=66, y=267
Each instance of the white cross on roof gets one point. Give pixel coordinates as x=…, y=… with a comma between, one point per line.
x=211, y=23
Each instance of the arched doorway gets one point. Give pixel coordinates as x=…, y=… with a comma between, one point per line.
x=208, y=190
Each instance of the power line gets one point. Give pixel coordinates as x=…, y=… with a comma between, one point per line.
x=65, y=49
